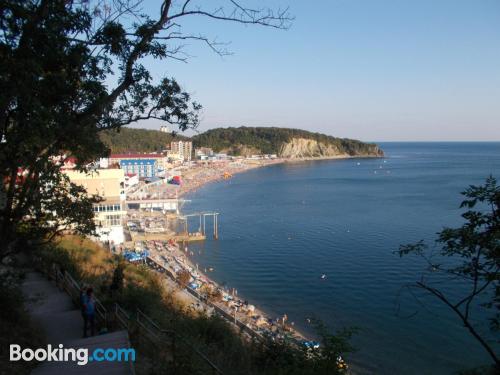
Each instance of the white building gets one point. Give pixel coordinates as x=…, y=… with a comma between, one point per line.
x=164, y=129
x=183, y=148
x=108, y=214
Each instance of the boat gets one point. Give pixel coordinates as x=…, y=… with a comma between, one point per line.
x=323, y=276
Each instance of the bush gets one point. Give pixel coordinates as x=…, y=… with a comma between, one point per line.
x=143, y=289
x=15, y=324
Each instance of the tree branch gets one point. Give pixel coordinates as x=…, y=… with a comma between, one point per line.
x=464, y=319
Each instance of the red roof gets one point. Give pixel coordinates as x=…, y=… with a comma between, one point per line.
x=135, y=156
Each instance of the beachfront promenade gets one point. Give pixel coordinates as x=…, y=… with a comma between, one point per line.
x=225, y=314
x=144, y=226
x=245, y=317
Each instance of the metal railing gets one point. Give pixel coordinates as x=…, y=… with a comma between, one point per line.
x=71, y=286
x=122, y=317
x=162, y=336
x=147, y=326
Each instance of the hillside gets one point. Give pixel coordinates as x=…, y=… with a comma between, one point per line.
x=142, y=140
x=285, y=142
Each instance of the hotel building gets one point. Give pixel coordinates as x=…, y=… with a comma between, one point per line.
x=108, y=214
x=183, y=148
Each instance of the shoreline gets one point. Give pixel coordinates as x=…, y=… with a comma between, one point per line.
x=248, y=164
x=232, y=307
x=244, y=316
x=245, y=166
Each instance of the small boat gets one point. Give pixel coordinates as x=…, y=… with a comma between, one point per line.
x=323, y=276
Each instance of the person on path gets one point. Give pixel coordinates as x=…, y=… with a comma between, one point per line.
x=88, y=310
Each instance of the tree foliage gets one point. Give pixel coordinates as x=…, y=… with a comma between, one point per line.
x=183, y=278
x=70, y=69
x=139, y=140
x=269, y=140
x=213, y=336
x=468, y=255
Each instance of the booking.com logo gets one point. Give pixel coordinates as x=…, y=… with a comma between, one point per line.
x=79, y=355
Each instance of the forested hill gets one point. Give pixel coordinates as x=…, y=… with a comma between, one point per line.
x=285, y=142
x=140, y=140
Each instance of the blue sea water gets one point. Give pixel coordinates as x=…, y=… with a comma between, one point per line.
x=283, y=226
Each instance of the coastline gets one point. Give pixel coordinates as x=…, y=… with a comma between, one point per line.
x=170, y=259
x=193, y=182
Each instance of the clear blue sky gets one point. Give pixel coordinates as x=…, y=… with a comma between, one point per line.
x=373, y=70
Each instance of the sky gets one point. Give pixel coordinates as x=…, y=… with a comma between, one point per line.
x=384, y=70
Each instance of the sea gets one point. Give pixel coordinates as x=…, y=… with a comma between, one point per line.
x=284, y=226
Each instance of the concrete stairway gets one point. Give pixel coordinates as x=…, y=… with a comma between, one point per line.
x=53, y=311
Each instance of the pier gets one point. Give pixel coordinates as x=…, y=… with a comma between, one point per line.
x=202, y=220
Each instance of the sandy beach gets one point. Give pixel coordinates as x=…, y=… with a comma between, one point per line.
x=173, y=258
x=205, y=173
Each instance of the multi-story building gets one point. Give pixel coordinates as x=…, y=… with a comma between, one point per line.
x=108, y=214
x=162, y=161
x=183, y=148
x=144, y=168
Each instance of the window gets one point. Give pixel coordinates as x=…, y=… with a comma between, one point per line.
x=113, y=220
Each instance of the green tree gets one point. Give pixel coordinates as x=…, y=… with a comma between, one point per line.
x=183, y=278
x=71, y=69
x=118, y=278
x=469, y=255
x=270, y=140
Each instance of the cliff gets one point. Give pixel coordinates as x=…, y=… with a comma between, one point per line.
x=285, y=142
x=245, y=141
x=307, y=148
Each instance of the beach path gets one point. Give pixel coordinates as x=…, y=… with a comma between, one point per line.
x=54, y=312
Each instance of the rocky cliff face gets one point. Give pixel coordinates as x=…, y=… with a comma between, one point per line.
x=307, y=148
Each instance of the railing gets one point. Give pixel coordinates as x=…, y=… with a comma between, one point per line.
x=149, y=328
x=226, y=315
x=213, y=368
x=162, y=336
x=122, y=317
x=71, y=286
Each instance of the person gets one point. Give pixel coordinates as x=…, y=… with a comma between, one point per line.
x=83, y=296
x=88, y=310
x=60, y=281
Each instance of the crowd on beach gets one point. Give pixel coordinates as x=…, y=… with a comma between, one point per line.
x=172, y=259
x=204, y=173
x=196, y=175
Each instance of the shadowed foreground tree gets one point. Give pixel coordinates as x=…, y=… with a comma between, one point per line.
x=469, y=260
x=70, y=69
x=183, y=278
